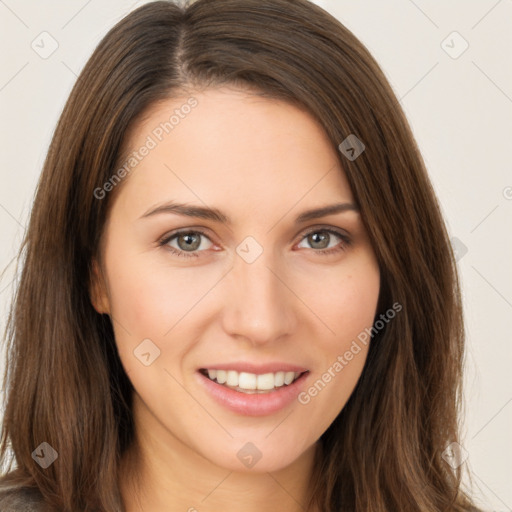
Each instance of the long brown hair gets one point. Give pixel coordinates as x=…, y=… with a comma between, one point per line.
x=64, y=381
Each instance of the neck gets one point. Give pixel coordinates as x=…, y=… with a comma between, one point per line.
x=160, y=473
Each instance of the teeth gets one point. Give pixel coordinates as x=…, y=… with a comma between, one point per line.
x=251, y=381
x=289, y=377
x=278, y=379
x=232, y=379
x=246, y=380
x=265, y=381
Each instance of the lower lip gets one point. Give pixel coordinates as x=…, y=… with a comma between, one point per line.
x=255, y=404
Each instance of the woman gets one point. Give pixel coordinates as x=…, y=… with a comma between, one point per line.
x=238, y=289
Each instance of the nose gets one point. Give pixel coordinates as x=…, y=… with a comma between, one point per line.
x=258, y=306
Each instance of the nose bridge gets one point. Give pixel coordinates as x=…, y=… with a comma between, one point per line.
x=258, y=305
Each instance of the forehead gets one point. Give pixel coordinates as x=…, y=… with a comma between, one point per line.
x=232, y=148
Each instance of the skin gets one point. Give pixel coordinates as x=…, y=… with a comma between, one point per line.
x=262, y=162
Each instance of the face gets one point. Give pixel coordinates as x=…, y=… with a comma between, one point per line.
x=235, y=313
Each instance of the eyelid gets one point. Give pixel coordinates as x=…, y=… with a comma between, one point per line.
x=324, y=227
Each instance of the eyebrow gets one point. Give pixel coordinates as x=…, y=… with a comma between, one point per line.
x=216, y=215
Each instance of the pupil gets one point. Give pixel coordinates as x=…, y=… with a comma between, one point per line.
x=319, y=238
x=189, y=241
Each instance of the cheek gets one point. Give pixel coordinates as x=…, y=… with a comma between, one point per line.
x=345, y=300
x=149, y=313
x=149, y=298
x=347, y=305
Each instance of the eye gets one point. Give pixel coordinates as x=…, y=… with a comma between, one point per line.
x=188, y=243
x=321, y=240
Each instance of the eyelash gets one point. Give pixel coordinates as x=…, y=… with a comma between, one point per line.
x=346, y=242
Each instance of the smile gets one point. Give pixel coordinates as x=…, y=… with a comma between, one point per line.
x=253, y=389
x=250, y=383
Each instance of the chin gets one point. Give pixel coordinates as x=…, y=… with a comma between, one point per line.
x=258, y=456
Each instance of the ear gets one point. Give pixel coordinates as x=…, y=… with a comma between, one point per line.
x=98, y=290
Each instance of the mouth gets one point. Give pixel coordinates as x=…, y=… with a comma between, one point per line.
x=252, y=383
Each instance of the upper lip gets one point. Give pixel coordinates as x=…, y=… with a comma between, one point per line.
x=258, y=369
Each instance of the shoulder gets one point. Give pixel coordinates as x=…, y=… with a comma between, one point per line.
x=19, y=499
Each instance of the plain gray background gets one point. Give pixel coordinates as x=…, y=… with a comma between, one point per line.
x=459, y=104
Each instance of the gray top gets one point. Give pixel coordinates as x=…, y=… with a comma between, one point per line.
x=16, y=499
